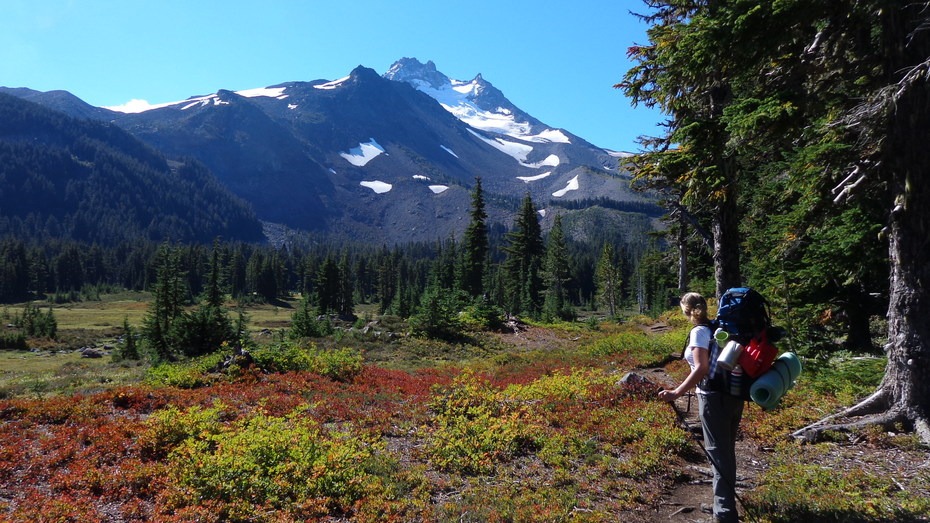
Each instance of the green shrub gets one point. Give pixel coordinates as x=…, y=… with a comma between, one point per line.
x=474, y=428
x=168, y=428
x=13, y=341
x=305, y=323
x=265, y=463
x=483, y=315
x=337, y=364
x=186, y=375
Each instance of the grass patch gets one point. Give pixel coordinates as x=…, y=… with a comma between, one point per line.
x=44, y=373
x=106, y=314
x=802, y=486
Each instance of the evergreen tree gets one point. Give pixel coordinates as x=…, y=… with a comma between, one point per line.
x=168, y=298
x=346, y=288
x=890, y=131
x=14, y=271
x=556, y=274
x=214, y=294
x=208, y=327
x=39, y=272
x=69, y=271
x=261, y=275
x=443, y=272
x=237, y=272
x=128, y=349
x=306, y=324
x=328, y=291
x=34, y=323
x=403, y=302
x=387, y=279
x=687, y=71
x=438, y=315
x=654, y=282
x=608, y=280
x=525, y=249
x=475, y=246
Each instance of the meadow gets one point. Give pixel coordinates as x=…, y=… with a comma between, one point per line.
x=525, y=425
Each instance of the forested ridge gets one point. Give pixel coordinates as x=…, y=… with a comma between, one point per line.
x=65, y=178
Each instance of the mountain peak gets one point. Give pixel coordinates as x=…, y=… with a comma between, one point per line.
x=477, y=102
x=408, y=69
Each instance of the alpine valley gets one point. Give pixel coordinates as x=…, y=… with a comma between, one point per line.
x=386, y=158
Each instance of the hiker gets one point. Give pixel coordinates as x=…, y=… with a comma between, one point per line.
x=720, y=411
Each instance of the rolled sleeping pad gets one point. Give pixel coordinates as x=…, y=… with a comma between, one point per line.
x=771, y=386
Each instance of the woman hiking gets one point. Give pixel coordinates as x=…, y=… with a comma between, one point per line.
x=720, y=411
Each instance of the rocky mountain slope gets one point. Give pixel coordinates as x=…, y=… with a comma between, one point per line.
x=389, y=158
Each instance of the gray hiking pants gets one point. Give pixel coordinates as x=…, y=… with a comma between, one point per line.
x=720, y=417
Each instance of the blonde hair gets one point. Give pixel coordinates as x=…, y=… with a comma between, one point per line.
x=695, y=307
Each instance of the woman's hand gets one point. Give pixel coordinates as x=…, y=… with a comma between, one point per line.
x=668, y=395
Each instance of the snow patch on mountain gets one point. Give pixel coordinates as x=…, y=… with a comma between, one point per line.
x=332, y=85
x=270, y=92
x=378, y=186
x=518, y=151
x=421, y=177
x=572, y=185
x=618, y=154
x=528, y=179
x=549, y=135
x=550, y=161
x=364, y=153
x=450, y=151
x=458, y=97
x=141, y=106
x=438, y=189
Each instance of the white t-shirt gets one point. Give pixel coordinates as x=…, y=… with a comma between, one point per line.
x=700, y=339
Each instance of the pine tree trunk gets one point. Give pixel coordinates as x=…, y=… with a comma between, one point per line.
x=682, y=256
x=907, y=377
x=727, y=244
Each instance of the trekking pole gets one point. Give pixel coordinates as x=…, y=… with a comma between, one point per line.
x=713, y=462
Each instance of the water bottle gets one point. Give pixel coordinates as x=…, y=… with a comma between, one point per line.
x=736, y=381
x=729, y=355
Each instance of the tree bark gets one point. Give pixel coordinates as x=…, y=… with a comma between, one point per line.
x=726, y=243
x=683, y=281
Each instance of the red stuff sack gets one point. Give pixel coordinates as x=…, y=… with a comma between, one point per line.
x=757, y=357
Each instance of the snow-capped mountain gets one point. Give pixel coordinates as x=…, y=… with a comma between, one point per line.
x=475, y=102
x=384, y=158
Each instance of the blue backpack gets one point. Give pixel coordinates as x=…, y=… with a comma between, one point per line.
x=743, y=313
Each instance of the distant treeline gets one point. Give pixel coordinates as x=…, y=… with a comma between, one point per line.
x=648, y=208
x=394, y=277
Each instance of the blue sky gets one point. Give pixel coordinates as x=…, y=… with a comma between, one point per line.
x=556, y=60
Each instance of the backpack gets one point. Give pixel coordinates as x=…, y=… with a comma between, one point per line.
x=744, y=314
